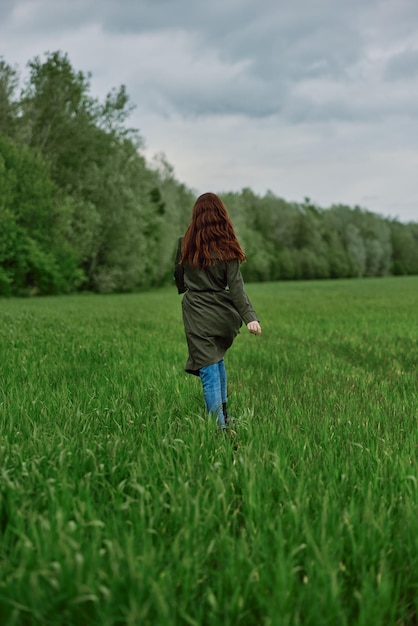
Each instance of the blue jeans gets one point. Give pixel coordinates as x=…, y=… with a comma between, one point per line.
x=213, y=379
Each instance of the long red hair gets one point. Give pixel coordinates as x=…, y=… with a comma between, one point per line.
x=210, y=236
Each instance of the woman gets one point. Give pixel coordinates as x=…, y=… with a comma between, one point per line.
x=215, y=303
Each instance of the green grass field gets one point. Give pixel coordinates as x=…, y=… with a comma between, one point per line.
x=120, y=505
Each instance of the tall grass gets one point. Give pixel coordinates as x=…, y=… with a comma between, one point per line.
x=120, y=504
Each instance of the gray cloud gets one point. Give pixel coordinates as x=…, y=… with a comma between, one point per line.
x=251, y=57
x=6, y=8
x=275, y=90
x=271, y=50
x=402, y=66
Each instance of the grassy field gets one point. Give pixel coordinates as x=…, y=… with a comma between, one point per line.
x=120, y=505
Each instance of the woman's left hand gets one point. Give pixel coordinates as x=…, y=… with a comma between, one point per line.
x=254, y=328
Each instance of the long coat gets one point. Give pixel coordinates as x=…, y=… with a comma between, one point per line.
x=214, y=306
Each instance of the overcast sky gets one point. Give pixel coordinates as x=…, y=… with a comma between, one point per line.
x=306, y=98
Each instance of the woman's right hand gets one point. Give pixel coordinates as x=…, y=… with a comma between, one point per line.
x=254, y=328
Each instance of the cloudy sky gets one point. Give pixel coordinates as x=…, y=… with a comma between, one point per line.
x=306, y=98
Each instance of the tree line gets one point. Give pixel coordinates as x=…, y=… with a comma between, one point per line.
x=82, y=209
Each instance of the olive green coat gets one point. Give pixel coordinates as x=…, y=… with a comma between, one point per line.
x=214, y=306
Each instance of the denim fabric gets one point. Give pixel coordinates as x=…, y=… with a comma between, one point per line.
x=213, y=379
x=223, y=380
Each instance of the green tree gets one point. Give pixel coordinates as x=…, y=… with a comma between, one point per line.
x=34, y=254
x=404, y=240
x=9, y=103
x=96, y=161
x=81, y=207
x=173, y=203
x=70, y=127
